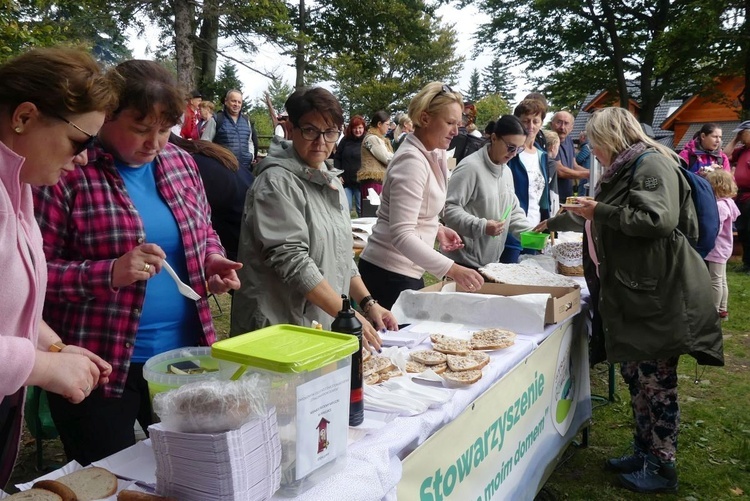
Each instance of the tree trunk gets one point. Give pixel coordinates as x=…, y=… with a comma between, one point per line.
x=208, y=43
x=184, y=13
x=300, y=62
x=618, y=54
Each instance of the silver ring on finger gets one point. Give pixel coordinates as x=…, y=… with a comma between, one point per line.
x=146, y=267
x=87, y=389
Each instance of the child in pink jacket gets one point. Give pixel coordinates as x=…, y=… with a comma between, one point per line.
x=725, y=189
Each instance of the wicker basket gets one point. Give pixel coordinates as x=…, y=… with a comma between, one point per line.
x=570, y=271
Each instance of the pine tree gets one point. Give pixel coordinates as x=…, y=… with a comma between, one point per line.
x=227, y=80
x=497, y=80
x=474, y=94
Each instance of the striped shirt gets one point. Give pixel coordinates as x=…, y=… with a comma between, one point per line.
x=87, y=222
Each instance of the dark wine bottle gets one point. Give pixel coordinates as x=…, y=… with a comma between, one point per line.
x=346, y=323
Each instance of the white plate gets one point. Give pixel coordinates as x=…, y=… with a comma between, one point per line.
x=571, y=206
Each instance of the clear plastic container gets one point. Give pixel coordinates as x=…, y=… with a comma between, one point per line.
x=310, y=373
x=156, y=369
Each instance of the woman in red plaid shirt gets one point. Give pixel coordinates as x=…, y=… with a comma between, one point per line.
x=107, y=228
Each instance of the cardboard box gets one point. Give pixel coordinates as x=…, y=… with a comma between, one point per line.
x=563, y=303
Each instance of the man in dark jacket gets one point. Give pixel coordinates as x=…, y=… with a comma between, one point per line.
x=234, y=131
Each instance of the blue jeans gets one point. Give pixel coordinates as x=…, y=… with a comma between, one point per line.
x=354, y=197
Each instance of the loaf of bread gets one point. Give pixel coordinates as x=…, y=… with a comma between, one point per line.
x=90, y=483
x=34, y=495
x=62, y=490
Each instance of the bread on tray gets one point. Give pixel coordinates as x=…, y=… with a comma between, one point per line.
x=480, y=357
x=463, y=377
x=376, y=364
x=452, y=346
x=492, y=339
x=428, y=357
x=458, y=363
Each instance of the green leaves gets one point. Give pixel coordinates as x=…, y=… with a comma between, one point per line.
x=576, y=47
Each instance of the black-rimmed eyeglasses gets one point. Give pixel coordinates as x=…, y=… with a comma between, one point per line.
x=312, y=134
x=512, y=148
x=79, y=146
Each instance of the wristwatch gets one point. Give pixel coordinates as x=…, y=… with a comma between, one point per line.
x=57, y=347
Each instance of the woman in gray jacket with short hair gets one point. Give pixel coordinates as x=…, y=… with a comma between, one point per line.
x=651, y=291
x=296, y=239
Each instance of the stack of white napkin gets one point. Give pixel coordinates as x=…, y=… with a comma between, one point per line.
x=242, y=464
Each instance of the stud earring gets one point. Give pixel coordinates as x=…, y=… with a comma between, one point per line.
x=18, y=129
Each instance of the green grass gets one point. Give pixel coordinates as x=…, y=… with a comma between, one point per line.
x=714, y=444
x=713, y=456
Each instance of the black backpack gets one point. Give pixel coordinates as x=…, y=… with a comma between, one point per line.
x=465, y=145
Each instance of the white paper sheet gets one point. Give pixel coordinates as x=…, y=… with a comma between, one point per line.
x=522, y=314
x=129, y=463
x=415, y=333
x=373, y=197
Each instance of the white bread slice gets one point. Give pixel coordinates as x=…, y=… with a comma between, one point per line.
x=375, y=364
x=428, y=357
x=457, y=363
x=395, y=372
x=62, y=490
x=480, y=357
x=463, y=377
x=91, y=483
x=452, y=346
x=34, y=495
x=439, y=368
x=415, y=367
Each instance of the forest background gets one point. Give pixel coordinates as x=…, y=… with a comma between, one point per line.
x=379, y=56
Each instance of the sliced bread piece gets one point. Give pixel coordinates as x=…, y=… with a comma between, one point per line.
x=394, y=372
x=428, y=357
x=91, y=483
x=452, y=346
x=493, y=339
x=375, y=364
x=463, y=377
x=439, y=368
x=34, y=495
x=62, y=490
x=373, y=378
x=480, y=357
x=458, y=363
x=415, y=367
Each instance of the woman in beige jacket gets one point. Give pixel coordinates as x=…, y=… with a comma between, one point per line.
x=376, y=154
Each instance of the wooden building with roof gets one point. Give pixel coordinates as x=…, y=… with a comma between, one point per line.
x=721, y=107
x=676, y=120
